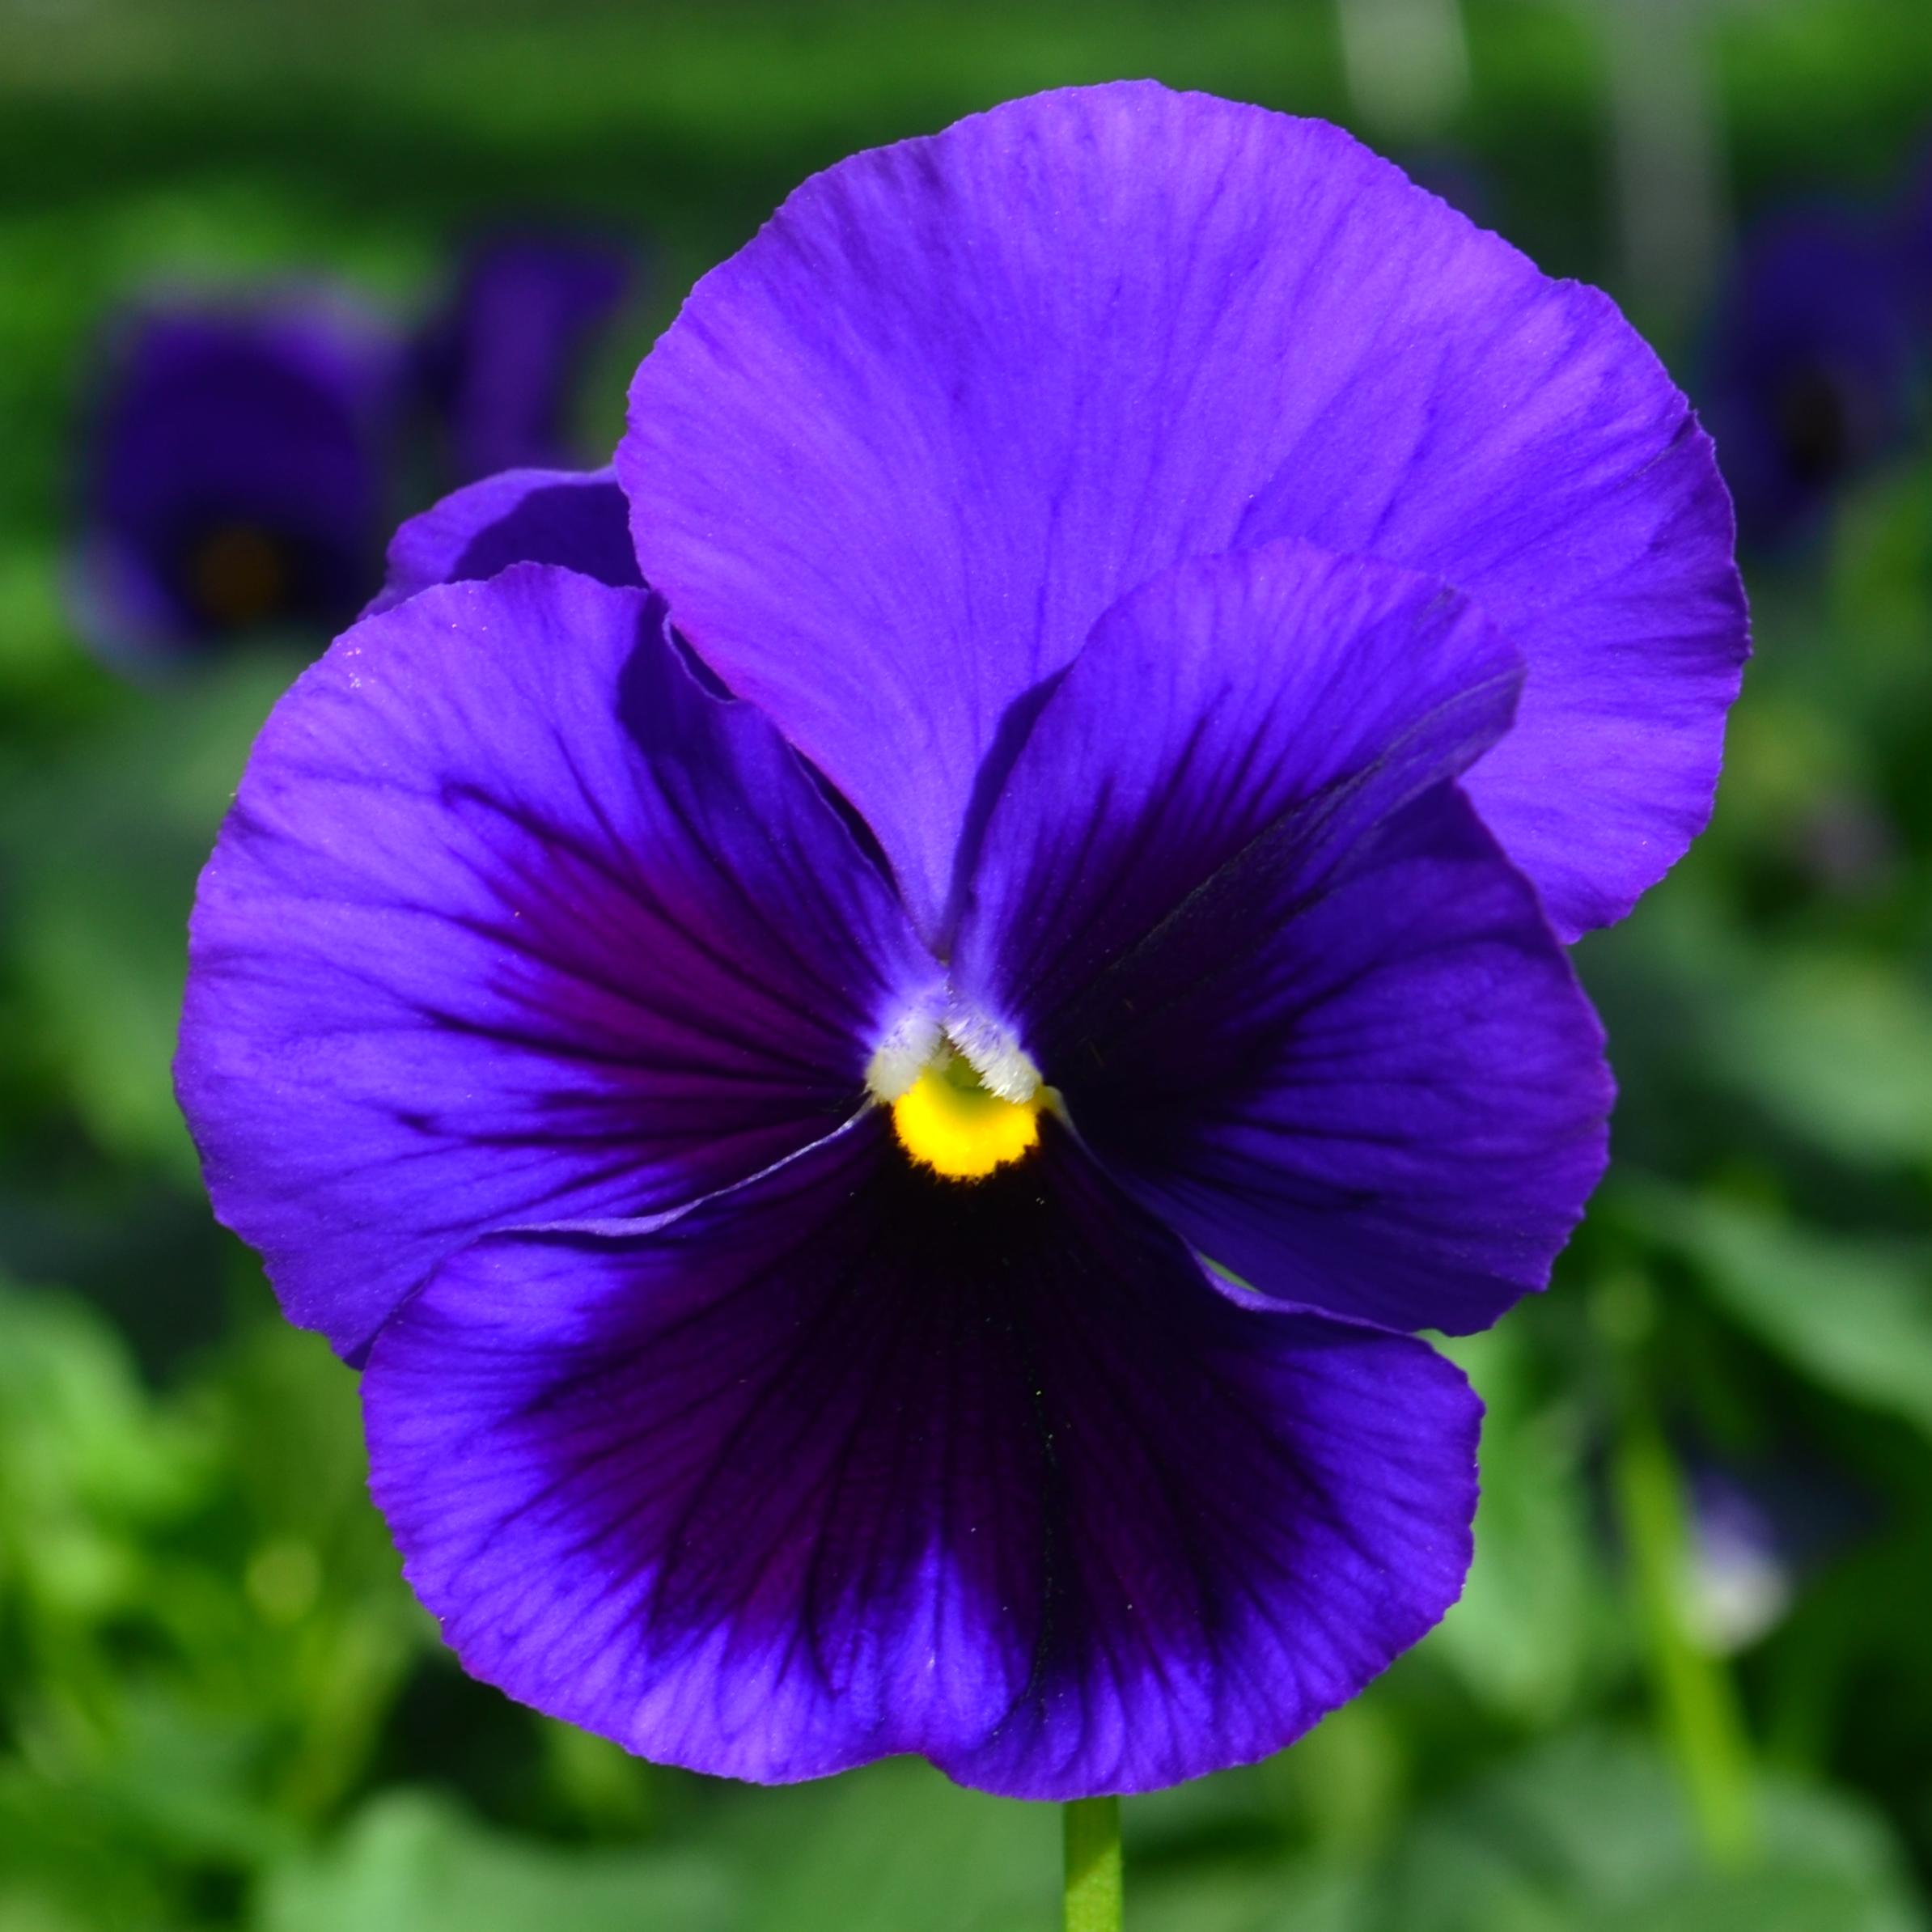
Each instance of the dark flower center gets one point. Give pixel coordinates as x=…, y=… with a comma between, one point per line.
x=238, y=574
x=1814, y=425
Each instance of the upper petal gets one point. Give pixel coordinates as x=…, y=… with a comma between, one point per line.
x=512, y=922
x=576, y=519
x=896, y=457
x=1234, y=906
x=857, y=1461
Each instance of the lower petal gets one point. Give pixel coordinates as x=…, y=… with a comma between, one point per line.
x=858, y=1461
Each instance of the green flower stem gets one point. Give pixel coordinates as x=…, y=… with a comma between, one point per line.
x=1697, y=1701
x=1093, y=1865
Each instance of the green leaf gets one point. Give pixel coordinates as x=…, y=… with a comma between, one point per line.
x=1838, y=1050
x=1304, y=1895
x=1533, y=1623
x=107, y=852
x=896, y=1848
x=1854, y=1316
x=1591, y=1834
x=410, y=1862
x=87, y=1456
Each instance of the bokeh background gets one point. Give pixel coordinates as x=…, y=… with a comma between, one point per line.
x=1690, y=1684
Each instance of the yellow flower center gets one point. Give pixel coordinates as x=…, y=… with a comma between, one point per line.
x=948, y=1121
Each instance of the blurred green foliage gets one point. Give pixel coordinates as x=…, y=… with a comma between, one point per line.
x=219, y=1704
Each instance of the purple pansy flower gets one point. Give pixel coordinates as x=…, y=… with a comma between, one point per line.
x=237, y=475
x=1810, y=365
x=882, y=1146
x=497, y=365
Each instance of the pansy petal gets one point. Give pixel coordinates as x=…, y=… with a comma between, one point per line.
x=578, y=519
x=1293, y=996
x=511, y=922
x=1538, y=457
x=896, y=457
x=1229, y=694
x=858, y=1461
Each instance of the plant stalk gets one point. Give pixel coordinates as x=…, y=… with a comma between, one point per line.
x=1697, y=1701
x=1093, y=1865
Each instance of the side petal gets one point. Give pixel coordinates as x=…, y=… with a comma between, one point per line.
x=578, y=519
x=895, y=458
x=512, y=922
x=1292, y=993
x=858, y=1461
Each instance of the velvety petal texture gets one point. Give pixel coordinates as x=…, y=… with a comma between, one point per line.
x=513, y=922
x=1293, y=994
x=578, y=519
x=896, y=457
x=857, y=1461
x=878, y=1110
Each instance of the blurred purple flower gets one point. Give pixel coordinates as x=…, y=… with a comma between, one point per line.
x=1738, y=1582
x=1755, y=1532
x=1810, y=366
x=882, y=1211
x=235, y=476
x=497, y=366
x=1909, y=234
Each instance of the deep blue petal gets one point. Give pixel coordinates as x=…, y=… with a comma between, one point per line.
x=858, y=1461
x=1295, y=996
x=894, y=458
x=513, y=922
